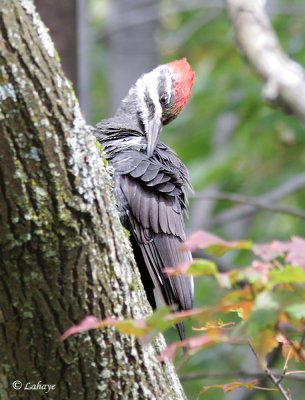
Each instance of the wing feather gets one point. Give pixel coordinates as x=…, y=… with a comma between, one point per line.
x=153, y=192
x=140, y=169
x=159, y=230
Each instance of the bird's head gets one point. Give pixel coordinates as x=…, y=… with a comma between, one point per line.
x=160, y=96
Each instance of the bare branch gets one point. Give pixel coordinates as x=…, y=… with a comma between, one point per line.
x=290, y=375
x=252, y=201
x=284, y=79
x=277, y=382
x=291, y=186
x=144, y=14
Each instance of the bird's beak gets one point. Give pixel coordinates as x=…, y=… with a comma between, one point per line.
x=153, y=131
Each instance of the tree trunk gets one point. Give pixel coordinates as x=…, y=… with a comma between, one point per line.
x=63, y=254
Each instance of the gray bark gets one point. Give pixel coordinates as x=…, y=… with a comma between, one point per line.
x=132, y=48
x=63, y=254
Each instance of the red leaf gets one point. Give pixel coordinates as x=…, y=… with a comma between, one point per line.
x=86, y=324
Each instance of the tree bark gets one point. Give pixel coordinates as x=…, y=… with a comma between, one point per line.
x=63, y=254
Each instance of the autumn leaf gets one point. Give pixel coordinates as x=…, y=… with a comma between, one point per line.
x=196, y=267
x=210, y=325
x=293, y=251
x=213, y=244
x=296, y=251
x=270, y=251
x=191, y=344
x=263, y=343
x=293, y=350
x=229, y=387
x=90, y=322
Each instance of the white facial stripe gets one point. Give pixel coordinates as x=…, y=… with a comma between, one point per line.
x=149, y=83
x=168, y=84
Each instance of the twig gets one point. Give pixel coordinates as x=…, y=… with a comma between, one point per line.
x=296, y=350
x=285, y=368
x=142, y=15
x=290, y=375
x=286, y=395
x=277, y=382
x=252, y=201
x=291, y=186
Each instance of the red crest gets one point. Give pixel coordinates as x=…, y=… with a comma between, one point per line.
x=183, y=81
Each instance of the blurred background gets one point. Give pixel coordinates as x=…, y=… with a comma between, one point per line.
x=246, y=160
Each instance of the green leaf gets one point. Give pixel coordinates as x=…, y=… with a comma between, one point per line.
x=158, y=319
x=261, y=320
x=202, y=267
x=296, y=310
x=264, y=315
x=288, y=274
x=220, y=249
x=266, y=300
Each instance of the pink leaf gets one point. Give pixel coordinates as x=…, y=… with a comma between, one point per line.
x=214, y=244
x=180, y=269
x=169, y=352
x=261, y=269
x=200, y=239
x=86, y=324
x=296, y=251
x=192, y=343
x=293, y=251
x=272, y=250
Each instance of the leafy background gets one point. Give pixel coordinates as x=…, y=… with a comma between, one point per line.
x=262, y=150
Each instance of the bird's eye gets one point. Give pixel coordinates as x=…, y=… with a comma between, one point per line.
x=163, y=99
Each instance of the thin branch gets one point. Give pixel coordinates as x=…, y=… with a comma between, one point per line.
x=294, y=184
x=284, y=79
x=142, y=15
x=252, y=201
x=297, y=350
x=286, y=395
x=277, y=382
x=290, y=375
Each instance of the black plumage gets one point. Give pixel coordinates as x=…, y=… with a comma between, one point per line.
x=151, y=181
x=150, y=193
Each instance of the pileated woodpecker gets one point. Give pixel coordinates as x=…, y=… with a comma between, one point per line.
x=150, y=180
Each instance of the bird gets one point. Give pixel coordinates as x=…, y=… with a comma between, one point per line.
x=150, y=181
